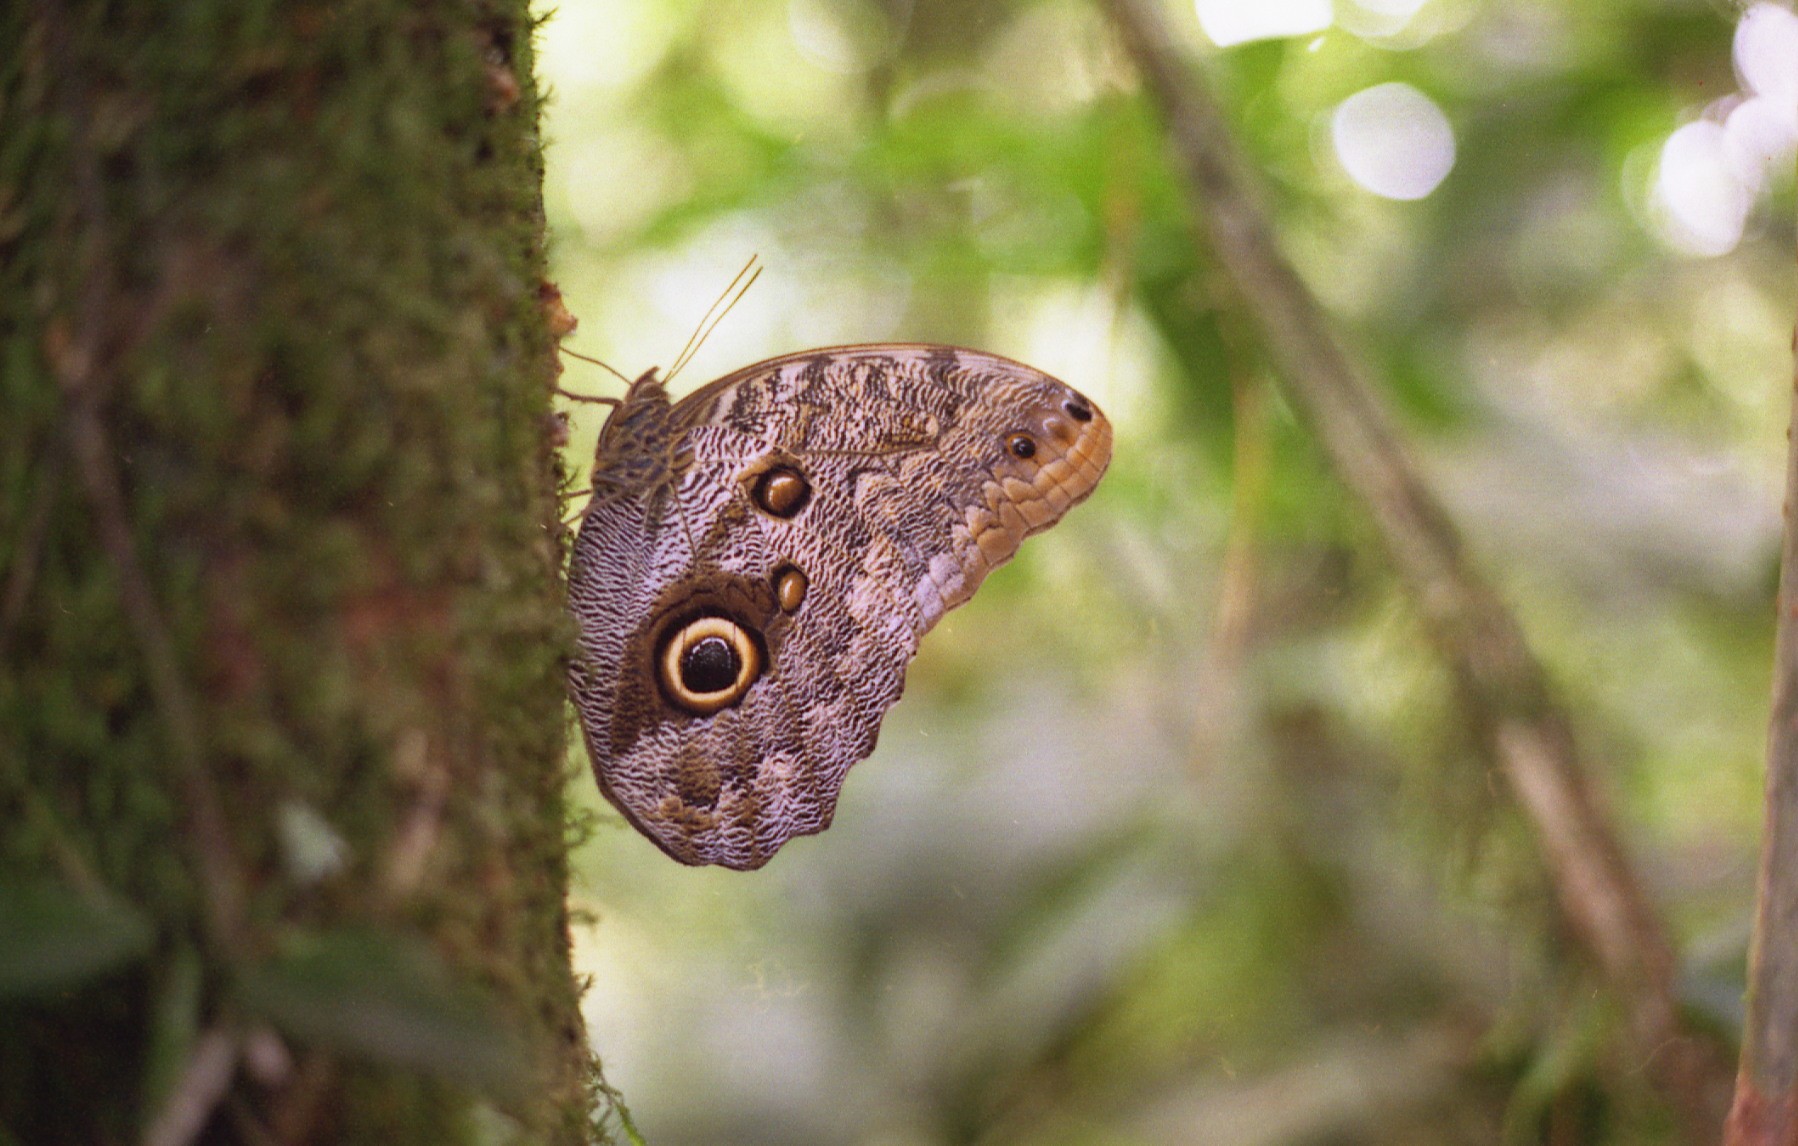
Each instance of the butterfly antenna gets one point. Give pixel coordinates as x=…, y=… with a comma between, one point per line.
x=596, y=399
x=720, y=318
x=699, y=331
x=733, y=294
x=606, y=366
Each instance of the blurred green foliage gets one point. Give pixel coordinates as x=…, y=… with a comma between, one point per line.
x=1175, y=837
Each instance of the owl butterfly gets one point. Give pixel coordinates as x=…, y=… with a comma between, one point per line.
x=760, y=560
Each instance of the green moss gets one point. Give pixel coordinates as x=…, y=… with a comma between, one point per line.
x=300, y=247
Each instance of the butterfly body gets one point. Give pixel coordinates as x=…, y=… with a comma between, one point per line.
x=761, y=559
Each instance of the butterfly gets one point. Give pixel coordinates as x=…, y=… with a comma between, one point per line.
x=760, y=560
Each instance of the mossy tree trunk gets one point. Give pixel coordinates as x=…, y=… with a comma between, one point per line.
x=281, y=720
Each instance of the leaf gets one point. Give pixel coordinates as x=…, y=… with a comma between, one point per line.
x=388, y=998
x=53, y=938
x=178, y=990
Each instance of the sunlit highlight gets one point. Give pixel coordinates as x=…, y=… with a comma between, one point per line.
x=1699, y=202
x=604, y=48
x=1393, y=140
x=1229, y=22
x=1380, y=20
x=1712, y=171
x=1766, y=56
x=845, y=36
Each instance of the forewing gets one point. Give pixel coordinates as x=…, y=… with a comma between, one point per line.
x=913, y=490
x=916, y=441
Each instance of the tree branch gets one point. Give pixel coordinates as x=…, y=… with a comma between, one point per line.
x=1766, y=1103
x=1504, y=690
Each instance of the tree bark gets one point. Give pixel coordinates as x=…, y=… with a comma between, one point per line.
x=281, y=715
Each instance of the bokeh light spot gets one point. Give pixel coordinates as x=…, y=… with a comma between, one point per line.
x=1229, y=22
x=844, y=36
x=604, y=48
x=1393, y=140
x=1699, y=202
x=1766, y=55
x=1757, y=137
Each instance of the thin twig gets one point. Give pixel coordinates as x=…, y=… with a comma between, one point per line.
x=305, y=1100
x=248, y=1126
x=1252, y=448
x=1504, y=690
x=202, y=1086
x=1239, y=569
x=29, y=551
x=74, y=867
x=1765, y=1112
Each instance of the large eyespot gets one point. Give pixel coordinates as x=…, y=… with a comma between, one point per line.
x=708, y=664
x=782, y=491
x=1021, y=445
x=789, y=588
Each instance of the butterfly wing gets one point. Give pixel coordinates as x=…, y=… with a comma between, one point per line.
x=817, y=514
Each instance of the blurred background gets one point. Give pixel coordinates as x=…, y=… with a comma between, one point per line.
x=1176, y=836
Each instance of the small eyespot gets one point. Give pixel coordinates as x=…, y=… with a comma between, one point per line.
x=1078, y=410
x=1021, y=445
x=789, y=588
x=708, y=664
x=782, y=492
